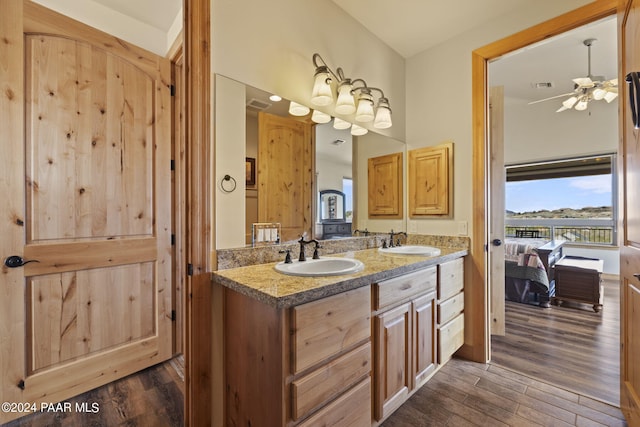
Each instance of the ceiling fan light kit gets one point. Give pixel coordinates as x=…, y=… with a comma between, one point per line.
x=587, y=89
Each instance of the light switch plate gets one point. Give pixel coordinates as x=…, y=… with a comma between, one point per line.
x=462, y=228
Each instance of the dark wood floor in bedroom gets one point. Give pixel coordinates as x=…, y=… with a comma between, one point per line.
x=554, y=367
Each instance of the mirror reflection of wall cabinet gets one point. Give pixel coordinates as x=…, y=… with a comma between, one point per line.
x=385, y=186
x=430, y=181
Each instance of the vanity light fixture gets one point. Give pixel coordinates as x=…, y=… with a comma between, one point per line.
x=348, y=91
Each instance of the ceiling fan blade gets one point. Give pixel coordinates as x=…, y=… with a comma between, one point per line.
x=610, y=83
x=553, y=97
x=561, y=109
x=584, y=82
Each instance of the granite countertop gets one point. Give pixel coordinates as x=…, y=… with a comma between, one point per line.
x=265, y=284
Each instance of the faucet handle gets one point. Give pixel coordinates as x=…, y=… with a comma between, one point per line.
x=316, y=255
x=287, y=258
x=384, y=243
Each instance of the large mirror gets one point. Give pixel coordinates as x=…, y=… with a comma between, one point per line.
x=339, y=165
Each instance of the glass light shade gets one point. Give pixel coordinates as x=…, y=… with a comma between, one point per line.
x=296, y=109
x=383, y=115
x=338, y=123
x=582, y=104
x=358, y=130
x=599, y=93
x=320, y=117
x=570, y=102
x=364, y=112
x=322, y=93
x=611, y=95
x=345, y=103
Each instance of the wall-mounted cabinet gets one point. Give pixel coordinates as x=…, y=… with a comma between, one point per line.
x=431, y=181
x=385, y=186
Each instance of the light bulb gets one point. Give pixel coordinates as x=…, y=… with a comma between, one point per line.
x=599, y=93
x=383, y=115
x=322, y=93
x=345, y=103
x=358, y=130
x=320, y=117
x=365, y=107
x=338, y=123
x=582, y=104
x=296, y=109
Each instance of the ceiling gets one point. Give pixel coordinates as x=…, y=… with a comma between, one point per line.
x=420, y=24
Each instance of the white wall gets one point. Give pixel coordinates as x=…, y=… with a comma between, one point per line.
x=537, y=132
x=117, y=24
x=439, y=100
x=270, y=44
x=230, y=111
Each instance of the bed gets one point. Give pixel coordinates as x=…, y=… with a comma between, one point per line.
x=529, y=270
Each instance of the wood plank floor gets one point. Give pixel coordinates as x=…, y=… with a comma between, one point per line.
x=153, y=397
x=570, y=346
x=554, y=367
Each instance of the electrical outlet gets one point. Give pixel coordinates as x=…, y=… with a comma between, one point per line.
x=462, y=228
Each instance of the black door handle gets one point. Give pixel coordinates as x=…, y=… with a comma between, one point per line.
x=637, y=276
x=496, y=242
x=15, y=261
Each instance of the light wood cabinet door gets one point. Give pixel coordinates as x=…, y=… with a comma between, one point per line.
x=430, y=180
x=385, y=186
x=424, y=338
x=392, y=359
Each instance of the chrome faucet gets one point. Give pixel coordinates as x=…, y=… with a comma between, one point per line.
x=303, y=243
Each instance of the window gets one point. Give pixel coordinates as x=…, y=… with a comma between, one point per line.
x=572, y=200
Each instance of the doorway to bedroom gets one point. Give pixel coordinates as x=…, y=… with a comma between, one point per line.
x=570, y=346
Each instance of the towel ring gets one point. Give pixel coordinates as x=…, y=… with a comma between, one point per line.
x=233, y=184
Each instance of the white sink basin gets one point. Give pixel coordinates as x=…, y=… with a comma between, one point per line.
x=325, y=266
x=411, y=250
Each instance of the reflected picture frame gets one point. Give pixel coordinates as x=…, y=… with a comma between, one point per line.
x=250, y=171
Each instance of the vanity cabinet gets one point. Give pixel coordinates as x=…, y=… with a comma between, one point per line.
x=404, y=337
x=311, y=360
x=336, y=229
x=450, y=308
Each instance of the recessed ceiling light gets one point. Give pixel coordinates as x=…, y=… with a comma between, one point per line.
x=275, y=98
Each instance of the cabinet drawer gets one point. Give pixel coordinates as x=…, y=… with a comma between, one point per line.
x=450, y=308
x=451, y=278
x=352, y=409
x=326, y=327
x=330, y=228
x=450, y=338
x=400, y=288
x=330, y=380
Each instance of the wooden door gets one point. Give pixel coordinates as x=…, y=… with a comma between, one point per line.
x=630, y=207
x=392, y=359
x=497, y=179
x=86, y=195
x=424, y=337
x=285, y=174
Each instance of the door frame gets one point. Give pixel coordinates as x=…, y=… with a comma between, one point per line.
x=479, y=348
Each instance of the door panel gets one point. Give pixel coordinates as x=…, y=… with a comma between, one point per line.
x=497, y=179
x=90, y=202
x=285, y=174
x=629, y=22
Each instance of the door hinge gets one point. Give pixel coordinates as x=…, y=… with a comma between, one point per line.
x=190, y=269
x=21, y=384
x=173, y=240
x=173, y=165
x=173, y=315
x=172, y=89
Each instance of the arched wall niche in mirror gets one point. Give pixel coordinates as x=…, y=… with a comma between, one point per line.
x=336, y=165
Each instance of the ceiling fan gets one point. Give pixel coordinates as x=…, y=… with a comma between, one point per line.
x=586, y=89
